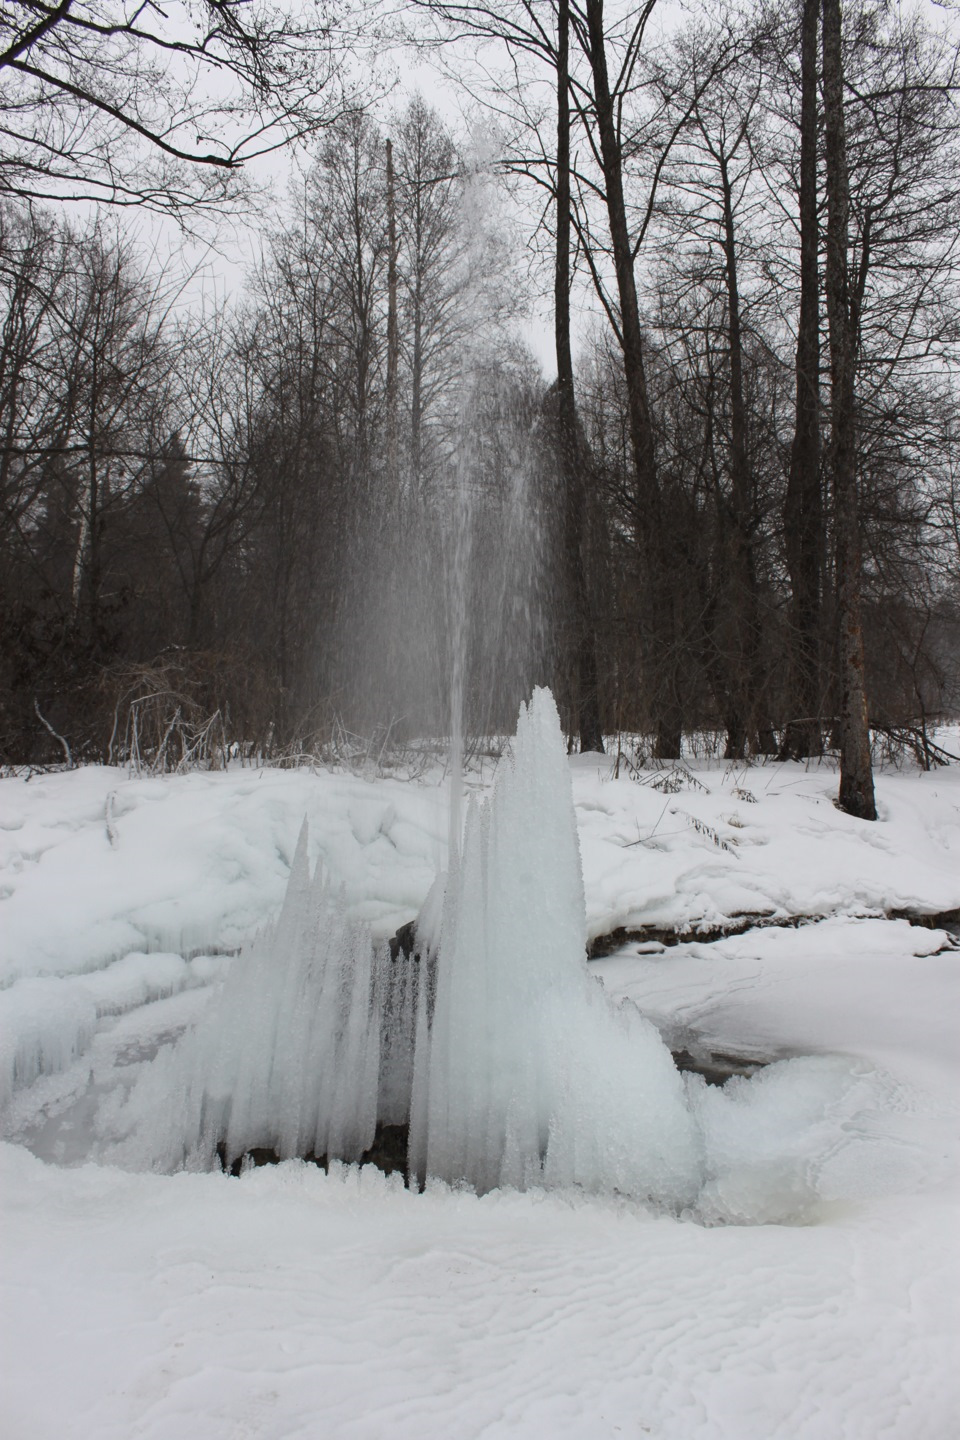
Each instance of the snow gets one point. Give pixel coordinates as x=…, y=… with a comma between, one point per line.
x=786, y=850
x=288, y=1302
x=199, y=860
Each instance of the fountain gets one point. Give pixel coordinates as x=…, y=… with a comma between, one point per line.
x=487, y=1057
x=497, y=1048
x=485, y=1044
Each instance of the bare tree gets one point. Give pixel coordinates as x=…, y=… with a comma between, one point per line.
x=88, y=412
x=710, y=206
x=602, y=108
x=574, y=457
x=856, y=773
x=130, y=104
x=803, y=506
x=434, y=275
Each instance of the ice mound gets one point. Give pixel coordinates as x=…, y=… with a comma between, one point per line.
x=519, y=1070
x=289, y=1057
x=44, y=1025
x=530, y=1075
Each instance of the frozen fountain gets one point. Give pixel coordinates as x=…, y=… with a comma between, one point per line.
x=504, y=1056
x=491, y=1050
x=530, y=1075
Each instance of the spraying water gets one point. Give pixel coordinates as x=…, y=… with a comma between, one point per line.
x=492, y=1045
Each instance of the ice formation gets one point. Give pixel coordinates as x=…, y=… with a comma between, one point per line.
x=493, y=1043
x=290, y=1057
x=530, y=1073
x=518, y=1071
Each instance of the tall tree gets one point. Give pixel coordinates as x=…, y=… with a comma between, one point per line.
x=710, y=207
x=856, y=772
x=574, y=457
x=803, y=506
x=393, y=330
x=434, y=276
x=603, y=109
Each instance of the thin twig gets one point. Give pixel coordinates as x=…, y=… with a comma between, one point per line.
x=56, y=735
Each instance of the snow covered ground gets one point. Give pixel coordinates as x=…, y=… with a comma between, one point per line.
x=291, y=1303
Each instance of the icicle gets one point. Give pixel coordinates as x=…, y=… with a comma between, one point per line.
x=287, y=1057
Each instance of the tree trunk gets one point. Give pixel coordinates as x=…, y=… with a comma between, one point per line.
x=573, y=457
x=87, y=566
x=660, y=648
x=746, y=679
x=393, y=331
x=856, y=773
x=803, y=507
x=416, y=373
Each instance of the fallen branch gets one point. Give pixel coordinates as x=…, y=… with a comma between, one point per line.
x=108, y=820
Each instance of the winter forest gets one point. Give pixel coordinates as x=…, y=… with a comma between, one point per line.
x=739, y=470
x=479, y=719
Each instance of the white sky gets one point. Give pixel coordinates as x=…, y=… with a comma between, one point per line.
x=216, y=269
